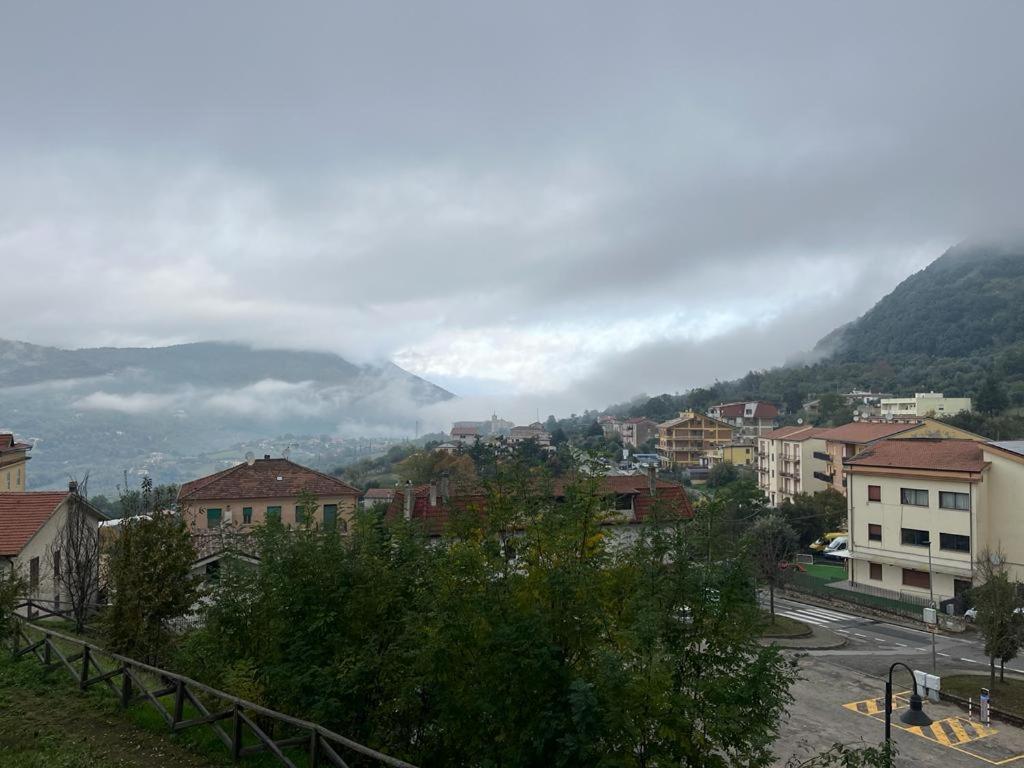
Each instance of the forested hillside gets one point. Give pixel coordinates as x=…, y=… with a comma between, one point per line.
x=946, y=328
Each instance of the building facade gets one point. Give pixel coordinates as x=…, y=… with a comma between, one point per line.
x=534, y=431
x=13, y=463
x=791, y=460
x=249, y=494
x=633, y=432
x=739, y=453
x=683, y=441
x=924, y=404
x=749, y=419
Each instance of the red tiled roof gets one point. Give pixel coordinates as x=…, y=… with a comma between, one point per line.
x=797, y=433
x=7, y=444
x=260, y=481
x=922, y=453
x=762, y=410
x=379, y=493
x=864, y=431
x=474, y=500
x=22, y=515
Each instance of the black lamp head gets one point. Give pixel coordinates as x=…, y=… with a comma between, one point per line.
x=915, y=714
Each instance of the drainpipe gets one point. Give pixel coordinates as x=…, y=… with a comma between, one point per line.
x=433, y=493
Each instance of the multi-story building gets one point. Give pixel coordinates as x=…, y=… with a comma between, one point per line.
x=683, y=441
x=749, y=419
x=534, y=431
x=848, y=440
x=253, y=492
x=791, y=460
x=947, y=498
x=634, y=432
x=13, y=462
x=924, y=404
x=741, y=453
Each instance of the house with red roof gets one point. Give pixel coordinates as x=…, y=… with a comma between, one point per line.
x=13, y=461
x=631, y=500
x=30, y=522
x=921, y=512
x=253, y=492
x=791, y=460
x=750, y=418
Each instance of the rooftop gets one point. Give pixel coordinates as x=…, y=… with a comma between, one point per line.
x=950, y=455
x=796, y=433
x=7, y=443
x=865, y=431
x=22, y=515
x=264, y=479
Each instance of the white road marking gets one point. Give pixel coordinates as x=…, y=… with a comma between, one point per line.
x=882, y=640
x=845, y=632
x=800, y=617
x=942, y=654
x=972, y=661
x=858, y=634
x=902, y=645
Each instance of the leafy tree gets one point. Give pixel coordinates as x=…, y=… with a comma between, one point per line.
x=833, y=410
x=595, y=430
x=998, y=620
x=991, y=398
x=723, y=473
x=150, y=584
x=769, y=543
x=12, y=589
x=812, y=515
x=147, y=499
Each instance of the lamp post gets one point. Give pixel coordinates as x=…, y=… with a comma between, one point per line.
x=914, y=715
x=931, y=599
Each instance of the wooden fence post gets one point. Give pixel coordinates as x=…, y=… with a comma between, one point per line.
x=47, y=651
x=179, y=704
x=85, y=667
x=314, y=750
x=236, y=735
x=126, y=687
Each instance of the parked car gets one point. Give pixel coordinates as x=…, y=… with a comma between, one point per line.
x=971, y=614
x=837, y=545
x=822, y=544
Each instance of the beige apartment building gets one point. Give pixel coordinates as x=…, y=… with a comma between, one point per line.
x=252, y=493
x=924, y=404
x=952, y=498
x=683, y=441
x=749, y=419
x=846, y=441
x=791, y=460
x=13, y=462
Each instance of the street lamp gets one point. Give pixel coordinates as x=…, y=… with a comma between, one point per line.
x=914, y=715
x=931, y=599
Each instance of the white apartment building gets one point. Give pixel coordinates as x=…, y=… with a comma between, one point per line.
x=953, y=498
x=924, y=404
x=791, y=460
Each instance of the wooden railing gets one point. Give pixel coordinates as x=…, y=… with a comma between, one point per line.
x=91, y=665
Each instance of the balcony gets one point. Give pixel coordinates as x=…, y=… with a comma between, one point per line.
x=823, y=477
x=821, y=455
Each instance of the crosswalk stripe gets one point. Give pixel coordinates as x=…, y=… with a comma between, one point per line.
x=816, y=614
x=831, y=614
x=799, y=617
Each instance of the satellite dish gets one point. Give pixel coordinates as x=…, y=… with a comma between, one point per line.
x=799, y=421
x=287, y=451
x=250, y=458
x=856, y=416
x=888, y=416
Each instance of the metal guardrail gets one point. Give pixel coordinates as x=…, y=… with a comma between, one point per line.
x=141, y=682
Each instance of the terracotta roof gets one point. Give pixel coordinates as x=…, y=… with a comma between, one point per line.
x=797, y=432
x=22, y=515
x=922, y=453
x=762, y=410
x=864, y=431
x=474, y=500
x=7, y=444
x=265, y=479
x=379, y=493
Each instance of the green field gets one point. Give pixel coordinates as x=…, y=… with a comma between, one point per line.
x=783, y=626
x=1006, y=697
x=826, y=573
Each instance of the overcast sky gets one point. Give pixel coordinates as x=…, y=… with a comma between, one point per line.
x=546, y=202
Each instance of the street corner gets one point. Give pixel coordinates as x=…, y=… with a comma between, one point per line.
x=995, y=745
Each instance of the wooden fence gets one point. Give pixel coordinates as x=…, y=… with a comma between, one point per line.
x=191, y=704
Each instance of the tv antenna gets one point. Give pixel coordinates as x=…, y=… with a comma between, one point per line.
x=250, y=458
x=287, y=451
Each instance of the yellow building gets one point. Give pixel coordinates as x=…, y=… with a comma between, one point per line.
x=13, y=462
x=950, y=498
x=252, y=493
x=683, y=441
x=740, y=454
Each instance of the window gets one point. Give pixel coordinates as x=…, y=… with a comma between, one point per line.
x=56, y=566
x=33, y=575
x=212, y=517
x=951, y=500
x=960, y=586
x=914, y=538
x=875, y=571
x=955, y=542
x=874, y=493
x=246, y=515
x=874, y=532
x=274, y=513
x=914, y=496
x=300, y=514
x=912, y=578
x=330, y=516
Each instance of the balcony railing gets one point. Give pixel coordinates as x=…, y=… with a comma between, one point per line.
x=821, y=455
x=823, y=477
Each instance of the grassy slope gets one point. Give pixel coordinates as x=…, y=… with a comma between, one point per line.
x=1007, y=697
x=783, y=626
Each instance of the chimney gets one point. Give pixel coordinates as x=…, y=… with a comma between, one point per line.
x=652, y=480
x=266, y=456
x=408, y=500
x=433, y=493
x=445, y=486
x=73, y=486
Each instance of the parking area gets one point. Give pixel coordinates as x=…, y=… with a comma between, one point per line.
x=834, y=703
